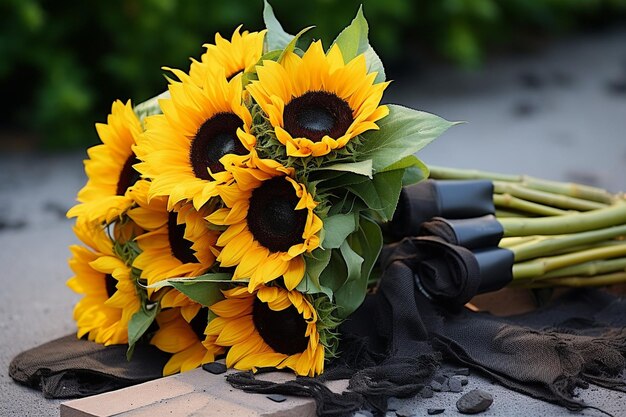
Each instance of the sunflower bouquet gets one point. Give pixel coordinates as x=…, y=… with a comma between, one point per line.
x=238, y=214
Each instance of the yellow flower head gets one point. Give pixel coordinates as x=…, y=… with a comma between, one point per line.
x=239, y=54
x=270, y=222
x=109, y=169
x=317, y=103
x=177, y=243
x=181, y=148
x=271, y=327
x=186, y=340
x=110, y=295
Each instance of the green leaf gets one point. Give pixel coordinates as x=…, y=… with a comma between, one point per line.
x=276, y=37
x=415, y=174
x=360, y=168
x=336, y=273
x=375, y=64
x=316, y=262
x=139, y=323
x=315, y=265
x=382, y=193
x=353, y=41
x=329, y=180
x=292, y=44
x=406, y=162
x=366, y=243
x=388, y=186
x=403, y=132
x=203, y=289
x=337, y=228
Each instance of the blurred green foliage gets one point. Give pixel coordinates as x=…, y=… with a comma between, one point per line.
x=62, y=63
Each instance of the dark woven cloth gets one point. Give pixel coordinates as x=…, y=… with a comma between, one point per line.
x=578, y=339
x=69, y=367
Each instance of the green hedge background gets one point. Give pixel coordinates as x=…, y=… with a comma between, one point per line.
x=62, y=63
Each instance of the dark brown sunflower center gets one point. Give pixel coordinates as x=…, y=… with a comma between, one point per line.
x=284, y=331
x=110, y=284
x=199, y=322
x=316, y=114
x=180, y=247
x=216, y=137
x=272, y=218
x=129, y=176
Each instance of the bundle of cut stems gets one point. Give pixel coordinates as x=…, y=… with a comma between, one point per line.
x=561, y=234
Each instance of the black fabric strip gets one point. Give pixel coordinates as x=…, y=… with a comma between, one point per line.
x=473, y=233
x=421, y=202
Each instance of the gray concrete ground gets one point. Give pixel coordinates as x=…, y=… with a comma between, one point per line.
x=560, y=114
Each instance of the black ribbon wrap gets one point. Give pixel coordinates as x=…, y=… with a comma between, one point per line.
x=473, y=233
x=451, y=199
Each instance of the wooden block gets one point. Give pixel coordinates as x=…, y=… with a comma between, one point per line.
x=198, y=393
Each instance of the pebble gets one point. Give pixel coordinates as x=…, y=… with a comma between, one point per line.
x=433, y=411
x=426, y=392
x=364, y=413
x=277, y=398
x=215, y=368
x=436, y=386
x=440, y=378
x=455, y=384
x=474, y=402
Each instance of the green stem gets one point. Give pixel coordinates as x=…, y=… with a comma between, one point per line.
x=588, y=269
x=511, y=242
x=584, y=192
x=445, y=173
x=567, y=223
x=510, y=202
x=501, y=213
x=551, y=244
x=546, y=198
x=598, y=280
x=541, y=266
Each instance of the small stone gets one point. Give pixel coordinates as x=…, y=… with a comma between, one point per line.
x=455, y=384
x=433, y=411
x=215, y=368
x=277, y=398
x=474, y=402
x=436, y=386
x=364, y=413
x=440, y=378
x=462, y=371
x=426, y=392
x=464, y=380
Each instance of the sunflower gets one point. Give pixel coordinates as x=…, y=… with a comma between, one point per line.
x=239, y=54
x=317, y=103
x=110, y=295
x=270, y=220
x=271, y=327
x=181, y=148
x=186, y=340
x=109, y=169
x=176, y=243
